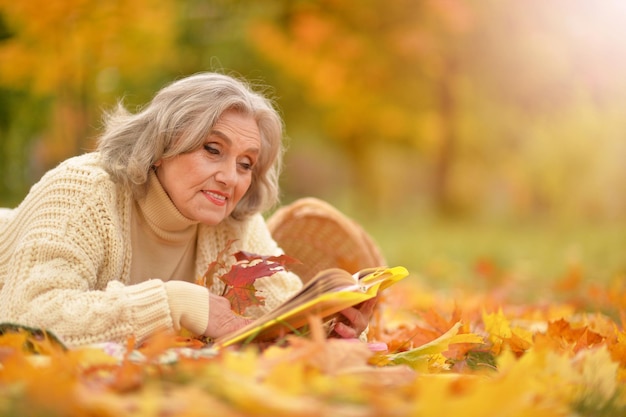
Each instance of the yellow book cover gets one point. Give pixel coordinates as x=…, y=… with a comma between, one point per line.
x=328, y=293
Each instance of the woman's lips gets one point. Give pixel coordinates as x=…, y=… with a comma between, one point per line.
x=216, y=197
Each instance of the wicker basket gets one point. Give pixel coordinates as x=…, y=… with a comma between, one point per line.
x=321, y=237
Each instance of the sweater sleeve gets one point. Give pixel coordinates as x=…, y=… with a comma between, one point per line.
x=189, y=304
x=68, y=259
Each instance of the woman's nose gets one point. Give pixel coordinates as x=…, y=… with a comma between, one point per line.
x=227, y=173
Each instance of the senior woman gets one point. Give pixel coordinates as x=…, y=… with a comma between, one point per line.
x=109, y=244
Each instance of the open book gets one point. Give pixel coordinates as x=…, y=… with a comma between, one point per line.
x=328, y=293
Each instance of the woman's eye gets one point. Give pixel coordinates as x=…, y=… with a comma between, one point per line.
x=246, y=165
x=211, y=149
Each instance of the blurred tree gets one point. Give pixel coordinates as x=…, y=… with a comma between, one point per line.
x=487, y=92
x=211, y=36
x=378, y=72
x=71, y=58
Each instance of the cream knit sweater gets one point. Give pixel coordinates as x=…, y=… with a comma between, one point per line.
x=66, y=260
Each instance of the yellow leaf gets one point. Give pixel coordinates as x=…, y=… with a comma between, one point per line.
x=598, y=375
x=501, y=333
x=430, y=355
x=498, y=328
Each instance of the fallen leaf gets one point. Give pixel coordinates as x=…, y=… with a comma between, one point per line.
x=430, y=355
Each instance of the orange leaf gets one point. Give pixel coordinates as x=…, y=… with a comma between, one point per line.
x=438, y=322
x=580, y=338
x=129, y=375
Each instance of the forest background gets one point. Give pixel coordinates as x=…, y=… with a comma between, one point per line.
x=466, y=136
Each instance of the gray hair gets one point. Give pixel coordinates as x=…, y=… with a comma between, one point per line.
x=178, y=120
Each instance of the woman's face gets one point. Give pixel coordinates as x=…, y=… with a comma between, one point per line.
x=207, y=183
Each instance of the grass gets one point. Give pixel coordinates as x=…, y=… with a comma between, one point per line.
x=530, y=255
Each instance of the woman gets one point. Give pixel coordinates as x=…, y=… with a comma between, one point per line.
x=109, y=244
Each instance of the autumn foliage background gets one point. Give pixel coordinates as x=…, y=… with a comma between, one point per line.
x=481, y=143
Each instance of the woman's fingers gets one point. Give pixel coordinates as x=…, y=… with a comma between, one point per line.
x=358, y=318
x=222, y=320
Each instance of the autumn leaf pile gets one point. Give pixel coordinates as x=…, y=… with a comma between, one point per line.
x=476, y=354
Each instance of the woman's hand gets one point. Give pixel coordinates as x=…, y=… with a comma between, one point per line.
x=356, y=319
x=222, y=320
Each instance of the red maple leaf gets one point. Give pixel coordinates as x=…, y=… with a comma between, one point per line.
x=240, y=289
x=282, y=260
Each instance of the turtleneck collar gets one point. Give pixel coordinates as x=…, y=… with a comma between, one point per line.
x=161, y=215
